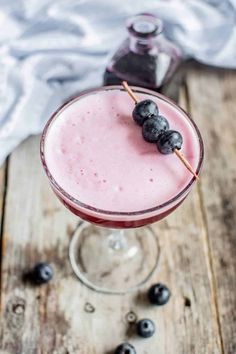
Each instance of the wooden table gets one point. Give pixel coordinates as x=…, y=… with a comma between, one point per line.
x=198, y=259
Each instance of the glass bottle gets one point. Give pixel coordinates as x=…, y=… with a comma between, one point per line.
x=146, y=58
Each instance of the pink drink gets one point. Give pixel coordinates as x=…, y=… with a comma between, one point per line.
x=102, y=169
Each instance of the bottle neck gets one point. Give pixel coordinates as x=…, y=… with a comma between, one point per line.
x=143, y=32
x=142, y=45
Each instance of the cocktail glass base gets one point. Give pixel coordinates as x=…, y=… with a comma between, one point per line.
x=114, y=261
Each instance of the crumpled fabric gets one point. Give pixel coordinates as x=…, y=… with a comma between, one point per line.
x=50, y=50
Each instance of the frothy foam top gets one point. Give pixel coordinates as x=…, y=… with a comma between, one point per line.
x=96, y=153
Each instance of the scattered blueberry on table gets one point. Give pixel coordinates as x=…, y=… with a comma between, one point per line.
x=125, y=348
x=145, y=328
x=159, y=294
x=42, y=273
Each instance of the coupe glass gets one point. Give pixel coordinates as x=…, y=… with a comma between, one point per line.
x=116, y=252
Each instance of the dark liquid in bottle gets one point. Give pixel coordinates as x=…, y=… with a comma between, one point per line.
x=110, y=78
x=139, y=70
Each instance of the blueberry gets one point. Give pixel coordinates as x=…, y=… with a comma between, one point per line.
x=145, y=328
x=42, y=273
x=152, y=127
x=125, y=348
x=144, y=110
x=159, y=294
x=168, y=141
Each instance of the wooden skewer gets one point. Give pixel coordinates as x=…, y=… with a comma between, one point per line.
x=176, y=151
x=130, y=92
x=185, y=162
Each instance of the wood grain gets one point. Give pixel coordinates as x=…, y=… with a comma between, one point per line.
x=2, y=190
x=212, y=96
x=52, y=318
x=3, y=182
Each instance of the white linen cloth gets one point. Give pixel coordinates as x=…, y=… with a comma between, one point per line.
x=51, y=49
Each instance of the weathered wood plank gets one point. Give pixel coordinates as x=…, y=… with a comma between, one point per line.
x=212, y=98
x=52, y=319
x=33, y=226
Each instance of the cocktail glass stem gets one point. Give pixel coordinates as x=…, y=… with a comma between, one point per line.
x=117, y=240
